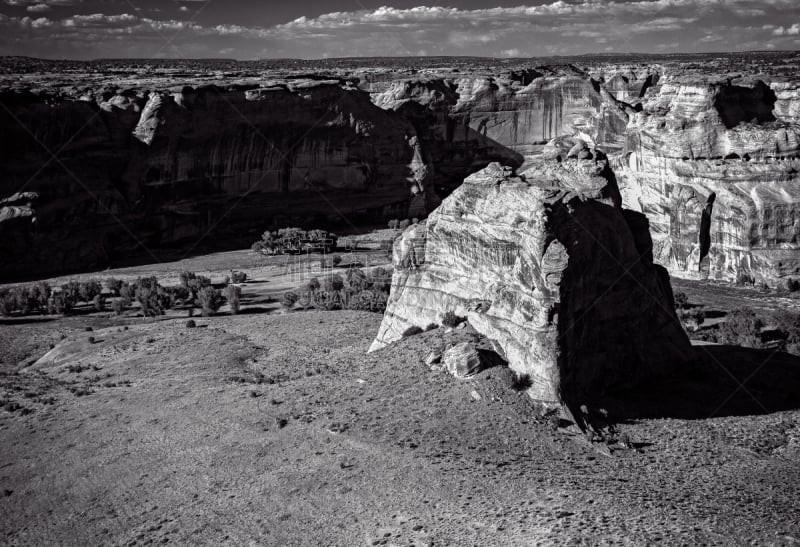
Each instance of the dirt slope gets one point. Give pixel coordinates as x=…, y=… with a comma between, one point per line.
x=280, y=430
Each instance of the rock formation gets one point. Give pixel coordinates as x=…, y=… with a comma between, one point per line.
x=134, y=158
x=548, y=266
x=121, y=170
x=713, y=164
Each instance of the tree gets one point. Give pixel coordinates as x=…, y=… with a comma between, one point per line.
x=404, y=224
x=332, y=283
x=210, y=300
x=356, y=280
x=288, y=300
x=233, y=295
x=742, y=327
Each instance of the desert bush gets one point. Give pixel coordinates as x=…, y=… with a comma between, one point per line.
x=233, y=295
x=91, y=339
x=356, y=280
x=114, y=285
x=210, y=300
x=521, y=382
x=40, y=294
x=118, y=305
x=450, y=319
x=404, y=224
x=681, y=300
x=742, y=327
x=332, y=283
x=89, y=289
x=99, y=302
x=327, y=300
x=415, y=220
x=190, y=324
x=313, y=284
x=289, y=299
x=744, y=279
x=393, y=224
x=366, y=300
x=127, y=291
x=412, y=331
x=336, y=260
x=792, y=285
x=7, y=303
x=58, y=304
x=186, y=277
x=71, y=292
x=238, y=277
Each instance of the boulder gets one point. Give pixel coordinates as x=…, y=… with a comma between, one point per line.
x=462, y=361
x=548, y=266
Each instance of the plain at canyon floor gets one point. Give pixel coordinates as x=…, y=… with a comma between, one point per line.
x=279, y=429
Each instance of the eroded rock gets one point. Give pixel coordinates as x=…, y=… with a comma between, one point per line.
x=548, y=266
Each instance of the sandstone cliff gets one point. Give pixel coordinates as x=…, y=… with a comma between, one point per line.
x=729, y=151
x=550, y=268
x=120, y=170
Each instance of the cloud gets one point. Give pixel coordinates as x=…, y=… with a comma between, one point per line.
x=557, y=27
x=794, y=30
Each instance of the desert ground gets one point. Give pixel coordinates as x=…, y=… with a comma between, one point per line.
x=279, y=429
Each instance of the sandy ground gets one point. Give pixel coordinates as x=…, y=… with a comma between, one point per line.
x=281, y=430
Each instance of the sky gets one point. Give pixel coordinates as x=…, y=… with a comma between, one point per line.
x=312, y=29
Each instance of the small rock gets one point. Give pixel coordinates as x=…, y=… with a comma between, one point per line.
x=433, y=358
x=463, y=361
x=475, y=395
x=462, y=326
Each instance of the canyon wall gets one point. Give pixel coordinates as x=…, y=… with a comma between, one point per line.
x=549, y=267
x=107, y=172
x=713, y=165
x=95, y=169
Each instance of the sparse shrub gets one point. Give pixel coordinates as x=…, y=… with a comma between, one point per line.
x=412, y=331
x=89, y=289
x=681, y=300
x=7, y=303
x=233, y=295
x=210, y=300
x=450, y=319
x=127, y=292
x=288, y=300
x=521, y=382
x=99, y=302
x=190, y=324
x=336, y=260
x=238, y=277
x=313, y=284
x=114, y=285
x=118, y=305
x=91, y=339
x=186, y=278
x=356, y=280
x=742, y=327
x=327, y=300
x=415, y=220
x=745, y=279
x=371, y=301
x=404, y=224
x=332, y=283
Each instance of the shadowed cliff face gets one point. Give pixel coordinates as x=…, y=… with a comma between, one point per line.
x=153, y=167
x=130, y=171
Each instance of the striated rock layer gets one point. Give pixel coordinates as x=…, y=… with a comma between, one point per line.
x=549, y=267
x=714, y=166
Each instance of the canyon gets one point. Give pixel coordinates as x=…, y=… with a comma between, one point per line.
x=108, y=162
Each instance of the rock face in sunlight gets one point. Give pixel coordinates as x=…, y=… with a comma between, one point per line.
x=505, y=117
x=714, y=167
x=548, y=266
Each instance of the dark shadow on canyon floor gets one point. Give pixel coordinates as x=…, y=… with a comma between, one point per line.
x=713, y=387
